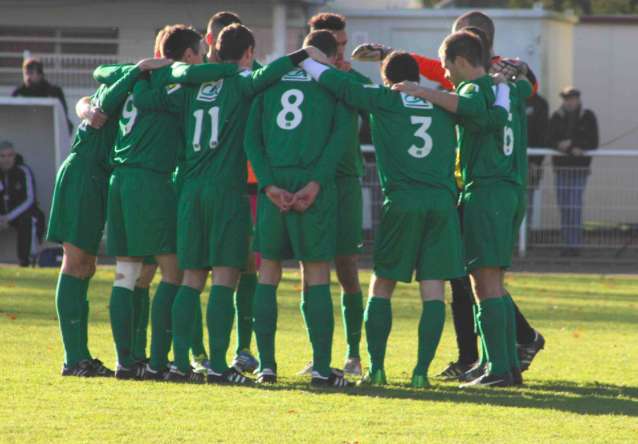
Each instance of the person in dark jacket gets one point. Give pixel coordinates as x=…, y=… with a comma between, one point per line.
x=18, y=207
x=36, y=85
x=573, y=130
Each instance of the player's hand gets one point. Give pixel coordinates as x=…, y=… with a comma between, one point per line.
x=371, y=52
x=305, y=197
x=153, y=63
x=520, y=65
x=96, y=117
x=499, y=78
x=564, y=145
x=317, y=55
x=576, y=151
x=281, y=198
x=344, y=66
x=410, y=88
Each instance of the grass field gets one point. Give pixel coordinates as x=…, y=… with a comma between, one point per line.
x=582, y=388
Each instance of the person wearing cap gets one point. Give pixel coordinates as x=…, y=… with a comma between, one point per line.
x=18, y=206
x=572, y=131
x=35, y=84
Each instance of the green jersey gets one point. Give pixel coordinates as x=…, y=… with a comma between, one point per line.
x=215, y=115
x=296, y=124
x=483, y=159
x=94, y=143
x=351, y=163
x=515, y=131
x=415, y=141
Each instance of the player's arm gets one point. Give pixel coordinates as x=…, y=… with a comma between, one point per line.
x=433, y=70
x=252, y=83
x=498, y=114
x=343, y=134
x=169, y=98
x=344, y=88
x=116, y=94
x=109, y=74
x=254, y=145
x=205, y=72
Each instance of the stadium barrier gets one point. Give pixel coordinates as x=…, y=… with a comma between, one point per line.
x=609, y=205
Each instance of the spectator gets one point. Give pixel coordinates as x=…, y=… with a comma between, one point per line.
x=537, y=121
x=572, y=131
x=18, y=207
x=36, y=85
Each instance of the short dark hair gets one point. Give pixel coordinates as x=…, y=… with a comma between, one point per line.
x=222, y=19
x=327, y=20
x=32, y=64
x=463, y=44
x=159, y=40
x=487, y=60
x=323, y=40
x=480, y=20
x=399, y=66
x=233, y=41
x=179, y=38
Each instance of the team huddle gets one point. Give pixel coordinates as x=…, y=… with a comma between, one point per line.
x=175, y=152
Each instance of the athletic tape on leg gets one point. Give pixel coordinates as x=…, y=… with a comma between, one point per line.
x=126, y=274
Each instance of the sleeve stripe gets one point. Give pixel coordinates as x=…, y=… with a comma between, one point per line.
x=24, y=206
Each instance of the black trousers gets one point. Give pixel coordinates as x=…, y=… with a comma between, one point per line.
x=30, y=229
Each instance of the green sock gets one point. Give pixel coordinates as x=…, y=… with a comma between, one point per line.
x=493, y=323
x=352, y=311
x=69, y=303
x=197, y=343
x=244, y=306
x=161, y=334
x=141, y=307
x=220, y=314
x=183, y=321
x=477, y=329
x=378, y=322
x=84, y=325
x=430, y=329
x=121, y=311
x=512, y=351
x=320, y=324
x=265, y=324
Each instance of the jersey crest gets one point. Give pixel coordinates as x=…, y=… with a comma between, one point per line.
x=415, y=102
x=297, y=75
x=469, y=88
x=209, y=91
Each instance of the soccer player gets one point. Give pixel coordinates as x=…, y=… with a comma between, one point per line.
x=295, y=137
x=77, y=219
x=419, y=230
x=213, y=216
x=244, y=359
x=490, y=195
x=349, y=210
x=530, y=341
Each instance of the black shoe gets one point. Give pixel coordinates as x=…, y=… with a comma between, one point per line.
x=133, y=372
x=101, y=370
x=517, y=376
x=231, y=376
x=453, y=371
x=334, y=380
x=476, y=371
x=487, y=380
x=148, y=374
x=189, y=377
x=527, y=352
x=266, y=376
x=83, y=369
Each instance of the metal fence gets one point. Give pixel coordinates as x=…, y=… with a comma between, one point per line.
x=570, y=210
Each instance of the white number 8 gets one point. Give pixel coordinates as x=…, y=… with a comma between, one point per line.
x=290, y=107
x=508, y=138
x=421, y=133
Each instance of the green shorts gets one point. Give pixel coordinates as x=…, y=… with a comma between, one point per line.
x=521, y=210
x=308, y=236
x=349, y=216
x=419, y=231
x=141, y=213
x=78, y=209
x=489, y=224
x=213, y=226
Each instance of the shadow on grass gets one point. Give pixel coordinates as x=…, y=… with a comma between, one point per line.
x=584, y=399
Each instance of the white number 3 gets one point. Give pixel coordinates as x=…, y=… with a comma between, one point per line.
x=421, y=133
x=290, y=107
